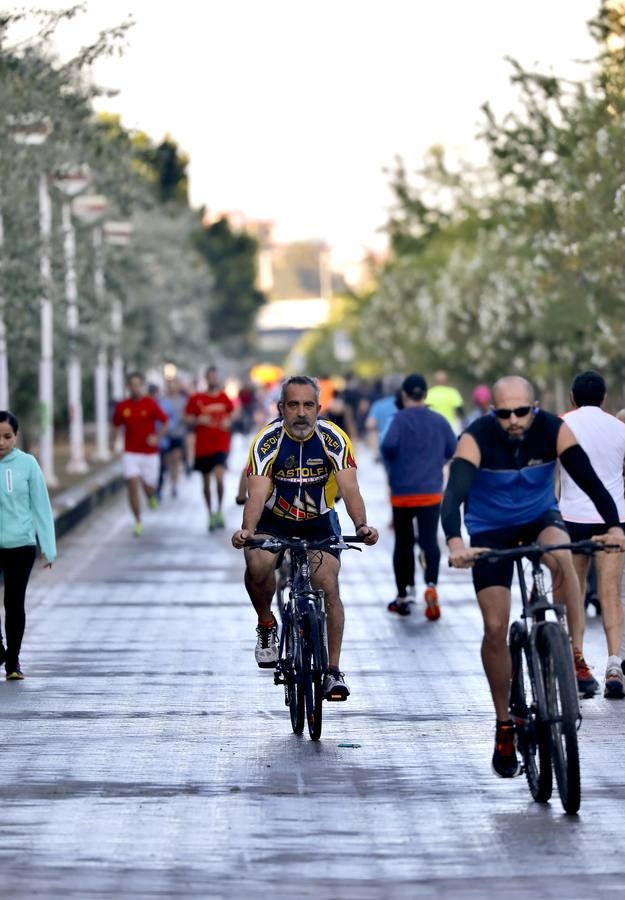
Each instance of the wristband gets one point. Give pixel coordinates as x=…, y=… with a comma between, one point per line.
x=362, y=525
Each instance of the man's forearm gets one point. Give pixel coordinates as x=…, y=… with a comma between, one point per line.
x=355, y=507
x=252, y=512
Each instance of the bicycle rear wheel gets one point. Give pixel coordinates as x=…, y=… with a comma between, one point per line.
x=532, y=735
x=562, y=711
x=294, y=687
x=314, y=684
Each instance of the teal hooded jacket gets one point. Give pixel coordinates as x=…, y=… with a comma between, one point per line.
x=25, y=511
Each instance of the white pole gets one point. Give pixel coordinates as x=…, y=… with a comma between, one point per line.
x=77, y=462
x=46, y=362
x=4, y=365
x=103, y=453
x=117, y=368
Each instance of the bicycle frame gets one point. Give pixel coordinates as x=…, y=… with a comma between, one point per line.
x=536, y=606
x=301, y=595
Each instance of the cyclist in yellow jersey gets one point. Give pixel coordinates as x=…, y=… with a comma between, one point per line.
x=446, y=400
x=296, y=464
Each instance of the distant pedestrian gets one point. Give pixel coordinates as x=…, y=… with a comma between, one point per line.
x=209, y=412
x=481, y=404
x=416, y=447
x=138, y=415
x=446, y=400
x=26, y=518
x=173, y=453
x=382, y=411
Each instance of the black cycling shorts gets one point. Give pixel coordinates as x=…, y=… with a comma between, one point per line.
x=206, y=464
x=584, y=531
x=499, y=572
x=311, y=529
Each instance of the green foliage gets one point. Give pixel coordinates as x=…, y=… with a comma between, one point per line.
x=231, y=257
x=517, y=267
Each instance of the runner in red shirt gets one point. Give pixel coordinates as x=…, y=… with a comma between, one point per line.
x=210, y=412
x=138, y=415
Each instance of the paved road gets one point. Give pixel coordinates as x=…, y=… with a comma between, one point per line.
x=147, y=757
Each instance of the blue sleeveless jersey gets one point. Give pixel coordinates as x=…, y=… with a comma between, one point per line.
x=515, y=481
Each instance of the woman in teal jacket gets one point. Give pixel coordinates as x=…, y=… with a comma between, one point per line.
x=25, y=518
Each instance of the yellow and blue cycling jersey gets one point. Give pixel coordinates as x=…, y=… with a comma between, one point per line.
x=303, y=473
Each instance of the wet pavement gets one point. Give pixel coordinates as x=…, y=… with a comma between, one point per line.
x=147, y=756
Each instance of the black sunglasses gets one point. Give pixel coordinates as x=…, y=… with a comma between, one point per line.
x=519, y=412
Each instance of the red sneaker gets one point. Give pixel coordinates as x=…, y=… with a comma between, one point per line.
x=432, y=609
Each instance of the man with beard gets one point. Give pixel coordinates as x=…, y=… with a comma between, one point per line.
x=503, y=471
x=296, y=465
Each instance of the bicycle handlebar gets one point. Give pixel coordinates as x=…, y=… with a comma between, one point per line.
x=275, y=544
x=587, y=547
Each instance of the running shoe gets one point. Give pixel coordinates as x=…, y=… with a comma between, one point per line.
x=153, y=502
x=587, y=686
x=399, y=605
x=267, y=648
x=505, y=760
x=138, y=529
x=13, y=671
x=212, y=525
x=614, y=683
x=432, y=609
x=334, y=687
x=219, y=519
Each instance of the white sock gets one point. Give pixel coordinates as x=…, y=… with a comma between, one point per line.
x=614, y=662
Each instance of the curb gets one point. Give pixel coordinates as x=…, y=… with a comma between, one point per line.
x=73, y=505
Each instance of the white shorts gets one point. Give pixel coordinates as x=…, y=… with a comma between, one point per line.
x=145, y=466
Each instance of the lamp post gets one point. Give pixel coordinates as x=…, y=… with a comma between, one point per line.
x=71, y=183
x=90, y=209
x=33, y=130
x=4, y=366
x=117, y=234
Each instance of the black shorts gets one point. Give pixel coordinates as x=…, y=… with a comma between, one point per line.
x=499, y=572
x=312, y=529
x=206, y=464
x=175, y=443
x=584, y=531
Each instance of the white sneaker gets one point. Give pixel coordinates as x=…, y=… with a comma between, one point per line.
x=614, y=683
x=267, y=647
x=334, y=687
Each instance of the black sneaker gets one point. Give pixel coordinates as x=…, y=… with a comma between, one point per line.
x=505, y=761
x=399, y=606
x=334, y=687
x=13, y=671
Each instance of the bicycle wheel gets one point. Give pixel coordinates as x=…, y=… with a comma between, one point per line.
x=294, y=687
x=532, y=735
x=314, y=684
x=562, y=712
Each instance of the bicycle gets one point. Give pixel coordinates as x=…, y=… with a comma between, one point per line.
x=303, y=654
x=543, y=692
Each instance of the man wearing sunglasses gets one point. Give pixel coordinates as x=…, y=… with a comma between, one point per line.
x=503, y=472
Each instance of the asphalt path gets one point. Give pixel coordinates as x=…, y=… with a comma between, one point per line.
x=146, y=756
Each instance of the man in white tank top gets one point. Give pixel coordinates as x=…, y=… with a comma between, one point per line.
x=602, y=436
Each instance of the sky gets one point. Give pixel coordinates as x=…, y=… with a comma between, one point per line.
x=291, y=109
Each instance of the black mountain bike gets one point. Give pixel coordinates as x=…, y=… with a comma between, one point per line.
x=543, y=693
x=303, y=660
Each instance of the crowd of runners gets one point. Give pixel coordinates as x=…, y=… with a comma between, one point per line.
x=518, y=473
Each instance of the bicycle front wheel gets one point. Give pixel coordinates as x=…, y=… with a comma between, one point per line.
x=314, y=684
x=562, y=712
x=294, y=686
x=532, y=735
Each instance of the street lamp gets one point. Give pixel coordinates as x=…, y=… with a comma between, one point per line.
x=90, y=210
x=33, y=130
x=117, y=234
x=71, y=183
